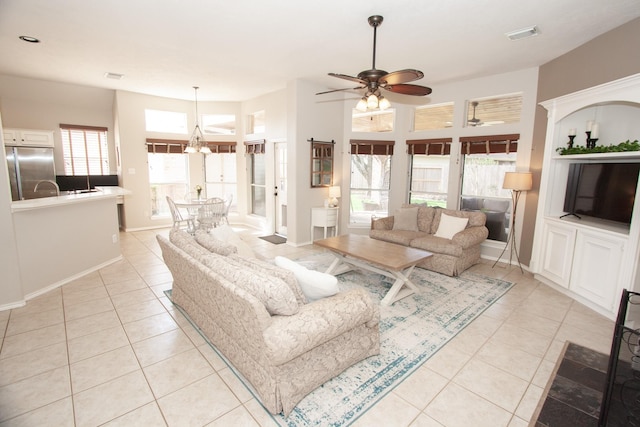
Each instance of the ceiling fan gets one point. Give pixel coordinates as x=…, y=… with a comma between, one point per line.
x=474, y=121
x=373, y=80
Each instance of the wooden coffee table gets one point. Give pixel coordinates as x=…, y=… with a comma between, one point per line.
x=389, y=259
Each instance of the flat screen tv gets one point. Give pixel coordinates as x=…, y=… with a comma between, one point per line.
x=602, y=190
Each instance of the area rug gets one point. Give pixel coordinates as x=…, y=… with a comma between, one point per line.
x=411, y=331
x=275, y=239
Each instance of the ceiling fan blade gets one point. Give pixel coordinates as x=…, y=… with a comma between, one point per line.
x=346, y=77
x=401, y=76
x=339, y=90
x=408, y=89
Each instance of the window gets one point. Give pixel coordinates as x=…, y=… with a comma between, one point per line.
x=168, y=174
x=429, y=169
x=486, y=159
x=257, y=179
x=219, y=124
x=85, y=150
x=372, y=121
x=256, y=122
x=165, y=121
x=494, y=111
x=429, y=117
x=370, y=180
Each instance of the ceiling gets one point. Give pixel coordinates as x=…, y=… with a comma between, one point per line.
x=238, y=50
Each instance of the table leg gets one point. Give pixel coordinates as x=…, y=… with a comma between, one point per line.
x=398, y=289
x=338, y=266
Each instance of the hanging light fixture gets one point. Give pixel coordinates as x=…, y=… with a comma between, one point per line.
x=197, y=144
x=373, y=101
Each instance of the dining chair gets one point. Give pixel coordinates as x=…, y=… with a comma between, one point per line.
x=211, y=213
x=178, y=220
x=227, y=205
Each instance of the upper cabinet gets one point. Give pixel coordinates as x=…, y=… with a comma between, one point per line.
x=28, y=137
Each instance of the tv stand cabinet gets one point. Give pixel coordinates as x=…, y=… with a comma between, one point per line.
x=588, y=259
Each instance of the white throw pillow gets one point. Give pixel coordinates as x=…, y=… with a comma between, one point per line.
x=406, y=219
x=315, y=285
x=450, y=225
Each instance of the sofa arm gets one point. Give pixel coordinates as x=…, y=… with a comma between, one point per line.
x=471, y=236
x=318, y=322
x=385, y=223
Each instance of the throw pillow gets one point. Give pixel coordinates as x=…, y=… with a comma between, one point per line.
x=450, y=225
x=315, y=285
x=273, y=293
x=264, y=268
x=226, y=234
x=214, y=245
x=406, y=219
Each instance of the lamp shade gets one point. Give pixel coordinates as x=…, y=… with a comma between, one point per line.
x=519, y=181
x=334, y=191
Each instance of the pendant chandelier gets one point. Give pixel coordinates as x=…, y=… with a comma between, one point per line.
x=197, y=144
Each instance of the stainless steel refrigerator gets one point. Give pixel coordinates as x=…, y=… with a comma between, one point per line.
x=28, y=166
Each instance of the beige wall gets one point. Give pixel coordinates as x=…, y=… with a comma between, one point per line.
x=608, y=57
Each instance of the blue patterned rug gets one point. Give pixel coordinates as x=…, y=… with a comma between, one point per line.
x=411, y=331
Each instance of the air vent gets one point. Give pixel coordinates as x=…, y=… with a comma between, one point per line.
x=523, y=33
x=114, y=76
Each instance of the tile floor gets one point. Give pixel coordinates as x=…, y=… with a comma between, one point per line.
x=109, y=349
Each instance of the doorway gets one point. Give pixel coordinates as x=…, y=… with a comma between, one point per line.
x=280, y=188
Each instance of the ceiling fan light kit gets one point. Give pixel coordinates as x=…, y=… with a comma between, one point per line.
x=373, y=80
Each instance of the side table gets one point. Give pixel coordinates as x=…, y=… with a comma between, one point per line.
x=325, y=218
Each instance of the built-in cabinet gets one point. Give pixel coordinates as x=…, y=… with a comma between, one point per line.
x=28, y=137
x=589, y=259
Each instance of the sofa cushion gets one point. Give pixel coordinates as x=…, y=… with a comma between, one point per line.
x=425, y=216
x=437, y=245
x=225, y=233
x=449, y=226
x=406, y=219
x=401, y=237
x=213, y=244
x=476, y=219
x=271, y=291
x=187, y=243
x=266, y=268
x=314, y=284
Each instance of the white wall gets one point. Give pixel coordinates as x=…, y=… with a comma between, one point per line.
x=38, y=104
x=310, y=116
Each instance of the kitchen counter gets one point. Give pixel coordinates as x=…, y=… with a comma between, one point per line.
x=62, y=238
x=47, y=202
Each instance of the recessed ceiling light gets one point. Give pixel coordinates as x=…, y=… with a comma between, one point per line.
x=523, y=33
x=114, y=76
x=29, y=39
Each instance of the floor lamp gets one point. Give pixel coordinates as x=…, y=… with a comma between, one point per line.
x=517, y=182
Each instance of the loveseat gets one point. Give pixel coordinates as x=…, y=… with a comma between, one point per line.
x=257, y=316
x=455, y=247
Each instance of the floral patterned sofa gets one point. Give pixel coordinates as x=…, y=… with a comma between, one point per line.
x=258, y=318
x=421, y=227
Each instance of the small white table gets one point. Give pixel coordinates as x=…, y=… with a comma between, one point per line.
x=325, y=218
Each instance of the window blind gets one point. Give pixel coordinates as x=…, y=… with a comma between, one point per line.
x=254, y=147
x=85, y=149
x=175, y=146
x=489, y=144
x=371, y=147
x=433, y=146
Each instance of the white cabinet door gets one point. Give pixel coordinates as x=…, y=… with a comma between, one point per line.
x=27, y=137
x=557, y=256
x=596, y=267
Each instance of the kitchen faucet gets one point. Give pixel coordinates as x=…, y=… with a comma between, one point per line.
x=55, y=184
